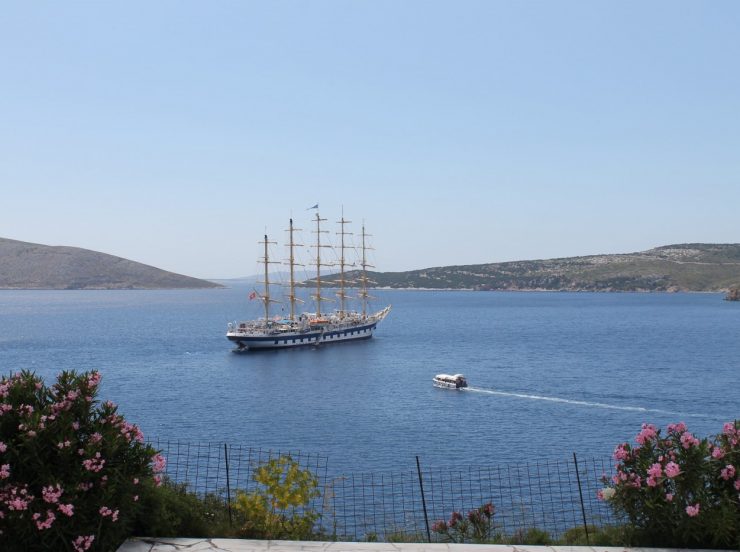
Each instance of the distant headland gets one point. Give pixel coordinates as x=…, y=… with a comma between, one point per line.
x=34, y=266
x=682, y=267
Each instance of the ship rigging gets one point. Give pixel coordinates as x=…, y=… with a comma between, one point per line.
x=310, y=328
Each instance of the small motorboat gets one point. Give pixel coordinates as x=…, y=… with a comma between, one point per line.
x=450, y=382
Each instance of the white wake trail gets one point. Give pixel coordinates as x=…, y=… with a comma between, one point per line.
x=583, y=403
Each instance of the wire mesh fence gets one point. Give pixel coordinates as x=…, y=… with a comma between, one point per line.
x=223, y=468
x=543, y=494
x=550, y=495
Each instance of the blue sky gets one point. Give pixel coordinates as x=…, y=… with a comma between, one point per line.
x=175, y=133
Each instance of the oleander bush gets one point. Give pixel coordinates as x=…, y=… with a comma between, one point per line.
x=71, y=468
x=678, y=490
x=475, y=527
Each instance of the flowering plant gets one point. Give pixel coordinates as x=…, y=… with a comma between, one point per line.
x=475, y=527
x=71, y=468
x=679, y=490
x=280, y=507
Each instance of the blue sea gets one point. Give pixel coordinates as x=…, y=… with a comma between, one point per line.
x=550, y=373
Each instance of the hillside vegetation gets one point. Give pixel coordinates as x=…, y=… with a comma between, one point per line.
x=683, y=267
x=33, y=266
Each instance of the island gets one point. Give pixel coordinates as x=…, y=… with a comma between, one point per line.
x=670, y=268
x=26, y=265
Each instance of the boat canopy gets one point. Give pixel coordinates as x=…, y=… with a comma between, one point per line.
x=449, y=377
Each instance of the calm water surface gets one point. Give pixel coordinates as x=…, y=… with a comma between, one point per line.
x=551, y=373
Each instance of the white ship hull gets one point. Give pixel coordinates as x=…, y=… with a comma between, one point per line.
x=273, y=335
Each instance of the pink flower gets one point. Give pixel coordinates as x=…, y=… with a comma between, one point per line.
x=3, y=447
x=693, y=511
x=66, y=509
x=651, y=482
x=680, y=427
x=94, y=379
x=41, y=525
x=729, y=429
x=647, y=434
x=94, y=464
x=669, y=497
x=728, y=472
x=687, y=440
x=159, y=463
x=439, y=526
x=75, y=425
x=83, y=543
x=737, y=484
x=672, y=470
x=454, y=518
x=17, y=503
x=655, y=471
x=52, y=494
x=136, y=480
x=621, y=452
x=4, y=471
x=95, y=437
x=105, y=512
x=136, y=498
x=717, y=453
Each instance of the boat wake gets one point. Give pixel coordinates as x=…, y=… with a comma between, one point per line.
x=490, y=391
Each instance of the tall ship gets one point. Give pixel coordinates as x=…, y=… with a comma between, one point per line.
x=310, y=328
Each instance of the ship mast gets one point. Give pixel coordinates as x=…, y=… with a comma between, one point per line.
x=364, y=279
x=318, y=233
x=266, y=261
x=292, y=263
x=342, y=263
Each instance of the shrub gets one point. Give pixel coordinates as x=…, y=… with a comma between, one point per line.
x=530, y=536
x=475, y=527
x=614, y=535
x=679, y=490
x=172, y=511
x=279, y=508
x=71, y=468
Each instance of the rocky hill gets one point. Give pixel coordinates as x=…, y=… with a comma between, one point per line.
x=34, y=266
x=683, y=267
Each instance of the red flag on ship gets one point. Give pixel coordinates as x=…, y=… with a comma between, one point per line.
x=252, y=295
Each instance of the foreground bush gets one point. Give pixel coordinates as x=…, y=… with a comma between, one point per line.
x=170, y=510
x=475, y=527
x=71, y=469
x=279, y=508
x=678, y=490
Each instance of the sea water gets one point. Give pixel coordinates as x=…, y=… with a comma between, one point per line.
x=549, y=373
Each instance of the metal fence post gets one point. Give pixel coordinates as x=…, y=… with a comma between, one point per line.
x=580, y=493
x=228, y=483
x=423, y=500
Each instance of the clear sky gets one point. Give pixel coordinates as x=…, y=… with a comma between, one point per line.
x=175, y=133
